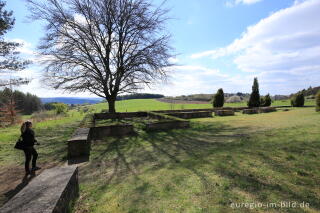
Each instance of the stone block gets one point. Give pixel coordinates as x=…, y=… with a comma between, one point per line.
x=98, y=133
x=190, y=115
x=267, y=109
x=51, y=192
x=224, y=112
x=250, y=111
x=79, y=145
x=167, y=125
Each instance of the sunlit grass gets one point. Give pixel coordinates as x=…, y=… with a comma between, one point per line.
x=151, y=104
x=242, y=158
x=246, y=158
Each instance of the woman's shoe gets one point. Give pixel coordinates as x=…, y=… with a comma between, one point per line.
x=35, y=168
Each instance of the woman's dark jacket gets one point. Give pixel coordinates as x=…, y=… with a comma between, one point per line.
x=28, y=137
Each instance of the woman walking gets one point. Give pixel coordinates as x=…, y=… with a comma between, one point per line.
x=28, y=138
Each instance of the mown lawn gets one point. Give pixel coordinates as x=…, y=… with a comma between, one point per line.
x=218, y=162
x=179, y=170
x=152, y=104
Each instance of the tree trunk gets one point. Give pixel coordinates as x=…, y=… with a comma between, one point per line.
x=112, y=105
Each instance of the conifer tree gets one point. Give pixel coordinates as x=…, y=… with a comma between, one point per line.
x=218, y=99
x=318, y=101
x=254, y=100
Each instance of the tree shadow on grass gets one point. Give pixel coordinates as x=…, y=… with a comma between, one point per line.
x=201, y=146
x=119, y=158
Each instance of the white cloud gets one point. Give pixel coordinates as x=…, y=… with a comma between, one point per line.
x=173, y=60
x=25, y=48
x=247, y=1
x=236, y=2
x=191, y=79
x=287, y=42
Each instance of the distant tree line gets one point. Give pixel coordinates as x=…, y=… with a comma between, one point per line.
x=139, y=96
x=25, y=103
x=208, y=97
x=311, y=91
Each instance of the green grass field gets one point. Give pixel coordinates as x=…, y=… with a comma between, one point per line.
x=219, y=161
x=150, y=104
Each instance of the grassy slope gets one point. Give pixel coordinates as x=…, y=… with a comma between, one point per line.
x=55, y=131
x=245, y=158
x=53, y=135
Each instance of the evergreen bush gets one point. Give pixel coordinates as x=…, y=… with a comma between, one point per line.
x=266, y=101
x=254, y=100
x=218, y=98
x=297, y=100
x=318, y=102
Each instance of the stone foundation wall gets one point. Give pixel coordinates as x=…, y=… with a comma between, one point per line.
x=250, y=111
x=166, y=125
x=79, y=145
x=120, y=115
x=53, y=191
x=98, y=133
x=267, y=109
x=189, y=115
x=224, y=113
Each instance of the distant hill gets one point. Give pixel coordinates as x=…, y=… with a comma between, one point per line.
x=311, y=91
x=71, y=100
x=208, y=97
x=139, y=96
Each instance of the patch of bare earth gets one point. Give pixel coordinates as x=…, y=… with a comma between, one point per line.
x=13, y=180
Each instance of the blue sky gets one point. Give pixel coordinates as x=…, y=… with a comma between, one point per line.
x=219, y=44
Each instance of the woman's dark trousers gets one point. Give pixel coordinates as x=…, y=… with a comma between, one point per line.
x=30, y=152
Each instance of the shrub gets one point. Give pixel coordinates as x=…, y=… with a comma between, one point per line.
x=218, y=98
x=297, y=100
x=49, y=106
x=254, y=100
x=265, y=101
x=318, y=102
x=60, y=108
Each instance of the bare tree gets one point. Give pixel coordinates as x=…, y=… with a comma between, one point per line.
x=9, y=60
x=107, y=47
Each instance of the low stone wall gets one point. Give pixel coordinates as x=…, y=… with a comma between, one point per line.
x=79, y=144
x=224, y=112
x=229, y=108
x=166, y=125
x=250, y=111
x=189, y=115
x=52, y=192
x=120, y=115
x=98, y=133
x=267, y=109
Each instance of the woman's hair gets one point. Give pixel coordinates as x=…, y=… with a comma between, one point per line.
x=25, y=126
